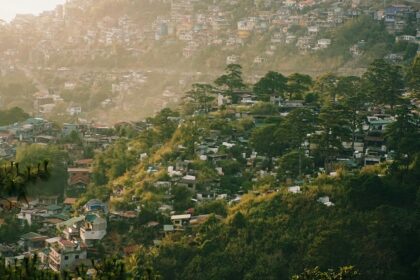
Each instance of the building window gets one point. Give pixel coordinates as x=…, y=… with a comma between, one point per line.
x=76, y=257
x=66, y=257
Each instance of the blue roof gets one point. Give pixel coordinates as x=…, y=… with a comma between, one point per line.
x=94, y=202
x=91, y=217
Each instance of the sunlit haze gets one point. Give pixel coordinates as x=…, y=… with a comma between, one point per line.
x=9, y=8
x=210, y=139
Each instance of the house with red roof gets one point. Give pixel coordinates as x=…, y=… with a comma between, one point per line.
x=78, y=177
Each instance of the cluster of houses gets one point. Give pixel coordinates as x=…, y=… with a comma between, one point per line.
x=397, y=19
x=302, y=24
x=32, y=130
x=43, y=132
x=312, y=21
x=119, y=84
x=61, y=242
x=65, y=240
x=368, y=147
x=78, y=234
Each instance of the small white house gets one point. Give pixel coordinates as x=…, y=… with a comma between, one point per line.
x=294, y=189
x=232, y=59
x=259, y=60
x=180, y=220
x=74, y=110
x=326, y=201
x=324, y=43
x=69, y=85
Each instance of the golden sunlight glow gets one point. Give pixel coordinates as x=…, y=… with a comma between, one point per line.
x=9, y=8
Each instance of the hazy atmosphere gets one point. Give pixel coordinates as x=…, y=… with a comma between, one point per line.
x=210, y=139
x=9, y=8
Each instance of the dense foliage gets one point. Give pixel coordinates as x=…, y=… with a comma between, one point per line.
x=371, y=232
x=33, y=156
x=12, y=115
x=373, y=226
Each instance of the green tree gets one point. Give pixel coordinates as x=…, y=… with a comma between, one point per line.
x=264, y=108
x=413, y=76
x=113, y=162
x=12, y=228
x=12, y=115
x=140, y=264
x=189, y=134
x=34, y=155
x=334, y=126
x=354, y=101
x=200, y=97
x=99, y=171
x=218, y=207
x=298, y=84
x=367, y=192
x=164, y=124
x=384, y=83
x=265, y=141
x=231, y=81
x=296, y=126
x=273, y=83
x=403, y=137
x=181, y=198
x=326, y=86
x=294, y=164
x=73, y=138
x=28, y=269
x=344, y=273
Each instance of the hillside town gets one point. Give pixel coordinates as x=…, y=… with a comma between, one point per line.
x=302, y=24
x=180, y=139
x=66, y=232
x=123, y=57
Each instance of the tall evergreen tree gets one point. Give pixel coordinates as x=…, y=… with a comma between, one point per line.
x=334, y=125
x=326, y=87
x=403, y=136
x=413, y=76
x=384, y=83
x=200, y=97
x=231, y=81
x=273, y=83
x=353, y=99
x=298, y=84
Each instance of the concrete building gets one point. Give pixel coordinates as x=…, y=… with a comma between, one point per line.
x=65, y=254
x=93, y=229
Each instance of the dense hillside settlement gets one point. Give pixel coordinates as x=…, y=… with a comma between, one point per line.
x=211, y=140
x=288, y=168
x=109, y=60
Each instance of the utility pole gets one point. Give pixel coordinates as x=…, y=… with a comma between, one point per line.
x=300, y=162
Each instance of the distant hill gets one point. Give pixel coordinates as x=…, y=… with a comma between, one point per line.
x=172, y=43
x=149, y=34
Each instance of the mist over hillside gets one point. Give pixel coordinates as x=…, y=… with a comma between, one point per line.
x=102, y=59
x=211, y=139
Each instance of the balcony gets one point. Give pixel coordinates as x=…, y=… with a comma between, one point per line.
x=55, y=266
x=54, y=259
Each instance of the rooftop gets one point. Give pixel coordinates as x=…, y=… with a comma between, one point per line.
x=77, y=169
x=181, y=217
x=32, y=236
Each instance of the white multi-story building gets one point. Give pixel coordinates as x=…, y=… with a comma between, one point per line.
x=93, y=229
x=64, y=254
